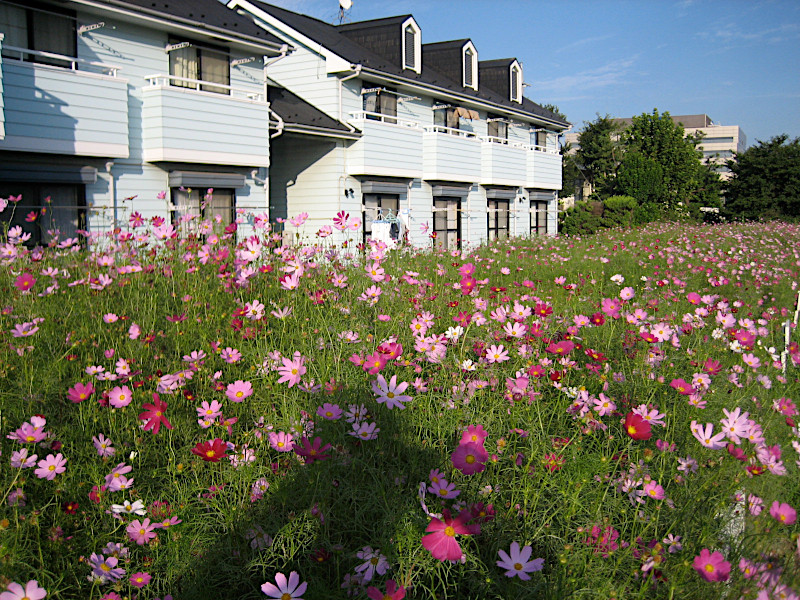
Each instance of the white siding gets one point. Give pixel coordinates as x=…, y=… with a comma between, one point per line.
x=385, y=149
x=450, y=157
x=502, y=164
x=544, y=170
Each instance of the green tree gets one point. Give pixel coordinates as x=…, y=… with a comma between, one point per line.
x=686, y=181
x=599, y=153
x=765, y=181
x=570, y=174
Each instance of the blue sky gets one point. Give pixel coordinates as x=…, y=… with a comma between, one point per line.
x=736, y=61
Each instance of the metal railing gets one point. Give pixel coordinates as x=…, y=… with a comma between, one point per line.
x=72, y=61
x=162, y=80
x=364, y=115
x=450, y=131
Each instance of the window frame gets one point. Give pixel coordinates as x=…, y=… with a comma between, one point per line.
x=497, y=127
x=494, y=229
x=538, y=225
x=380, y=198
x=385, y=100
x=442, y=238
x=204, y=212
x=39, y=189
x=201, y=50
x=515, y=89
x=31, y=42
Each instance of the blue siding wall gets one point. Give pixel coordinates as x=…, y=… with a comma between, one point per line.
x=2, y=101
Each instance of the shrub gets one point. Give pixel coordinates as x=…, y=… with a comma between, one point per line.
x=581, y=220
x=618, y=211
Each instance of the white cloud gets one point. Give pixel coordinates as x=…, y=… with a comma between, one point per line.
x=610, y=74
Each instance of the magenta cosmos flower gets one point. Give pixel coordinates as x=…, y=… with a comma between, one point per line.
x=712, y=566
x=311, y=452
x=290, y=589
x=390, y=393
x=393, y=592
x=783, y=513
x=25, y=282
x=474, y=433
x=517, y=564
x=470, y=458
x=281, y=441
x=153, y=415
x=51, y=466
x=140, y=579
x=31, y=591
x=239, y=390
x=441, y=539
x=141, y=532
x=80, y=392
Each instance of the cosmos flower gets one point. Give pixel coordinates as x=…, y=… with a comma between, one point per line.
x=516, y=562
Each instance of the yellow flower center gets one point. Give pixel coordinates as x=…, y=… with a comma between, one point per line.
x=51, y=468
x=449, y=531
x=469, y=459
x=210, y=454
x=709, y=568
x=239, y=394
x=390, y=395
x=518, y=566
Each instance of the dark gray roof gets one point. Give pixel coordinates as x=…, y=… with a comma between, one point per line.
x=205, y=14
x=399, y=19
x=448, y=45
x=496, y=62
x=294, y=110
x=330, y=37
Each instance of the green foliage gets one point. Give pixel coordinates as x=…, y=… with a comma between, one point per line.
x=642, y=178
x=766, y=181
x=580, y=220
x=618, y=211
x=571, y=176
x=599, y=153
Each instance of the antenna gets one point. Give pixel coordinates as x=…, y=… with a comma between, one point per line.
x=344, y=5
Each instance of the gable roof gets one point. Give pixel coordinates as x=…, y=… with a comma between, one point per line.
x=209, y=16
x=332, y=37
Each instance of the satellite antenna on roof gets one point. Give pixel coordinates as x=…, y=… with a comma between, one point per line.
x=344, y=5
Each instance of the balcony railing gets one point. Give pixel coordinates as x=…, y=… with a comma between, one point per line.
x=497, y=140
x=539, y=148
x=72, y=61
x=161, y=80
x=364, y=115
x=450, y=131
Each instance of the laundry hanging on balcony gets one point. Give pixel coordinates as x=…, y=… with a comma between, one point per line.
x=388, y=228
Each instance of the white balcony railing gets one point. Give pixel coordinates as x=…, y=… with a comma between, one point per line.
x=364, y=115
x=450, y=131
x=162, y=80
x=544, y=149
x=496, y=140
x=72, y=61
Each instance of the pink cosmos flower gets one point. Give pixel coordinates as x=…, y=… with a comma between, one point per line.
x=393, y=592
x=290, y=589
x=470, y=458
x=281, y=441
x=140, y=579
x=517, y=563
x=24, y=282
x=475, y=434
x=51, y=466
x=21, y=460
x=292, y=371
x=712, y=566
x=683, y=387
x=31, y=591
x=154, y=416
x=783, y=513
x=653, y=490
x=141, y=532
x=705, y=435
x=231, y=355
x=239, y=390
x=390, y=393
x=375, y=362
x=444, y=489
x=441, y=539
x=496, y=354
x=80, y=392
x=120, y=396
x=330, y=412
x=311, y=452
x=561, y=348
x=103, y=446
x=29, y=433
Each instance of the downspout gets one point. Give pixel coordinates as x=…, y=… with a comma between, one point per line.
x=356, y=72
x=113, y=190
x=265, y=70
x=279, y=127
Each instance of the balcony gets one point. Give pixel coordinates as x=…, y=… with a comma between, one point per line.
x=183, y=123
x=503, y=162
x=544, y=168
x=388, y=147
x=70, y=106
x=450, y=155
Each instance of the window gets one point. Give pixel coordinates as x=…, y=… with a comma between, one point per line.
x=516, y=82
x=199, y=211
x=447, y=223
x=379, y=204
x=497, y=129
x=497, y=219
x=411, y=45
x=199, y=62
x=446, y=116
x=470, y=66
x=49, y=212
x=716, y=140
x=539, y=138
x=538, y=218
x=380, y=101
x=46, y=30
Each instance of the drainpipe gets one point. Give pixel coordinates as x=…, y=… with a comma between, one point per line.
x=112, y=190
x=281, y=124
x=284, y=51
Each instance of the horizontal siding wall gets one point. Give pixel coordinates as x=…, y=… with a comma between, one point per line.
x=420, y=210
x=451, y=158
x=386, y=150
x=544, y=170
x=473, y=223
x=502, y=164
x=50, y=109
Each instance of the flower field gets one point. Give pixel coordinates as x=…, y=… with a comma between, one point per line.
x=608, y=417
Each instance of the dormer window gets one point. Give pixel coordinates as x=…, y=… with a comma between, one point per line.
x=470, y=67
x=515, y=83
x=412, y=46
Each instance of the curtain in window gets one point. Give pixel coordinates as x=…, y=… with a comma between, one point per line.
x=388, y=105
x=53, y=33
x=221, y=204
x=183, y=63
x=215, y=67
x=13, y=22
x=452, y=118
x=446, y=223
x=370, y=101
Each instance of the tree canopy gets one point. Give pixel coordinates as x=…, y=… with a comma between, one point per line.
x=765, y=181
